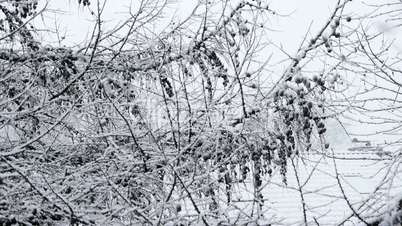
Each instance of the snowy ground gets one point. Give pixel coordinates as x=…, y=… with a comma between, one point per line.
x=360, y=172
x=323, y=196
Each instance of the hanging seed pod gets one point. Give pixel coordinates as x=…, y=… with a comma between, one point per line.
x=298, y=80
x=307, y=125
x=320, y=125
x=337, y=22
x=258, y=181
x=167, y=86
x=337, y=34
x=307, y=84
x=306, y=112
x=322, y=131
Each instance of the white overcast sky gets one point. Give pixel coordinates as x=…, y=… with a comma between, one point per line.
x=76, y=23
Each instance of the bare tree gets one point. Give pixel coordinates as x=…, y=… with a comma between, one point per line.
x=142, y=123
